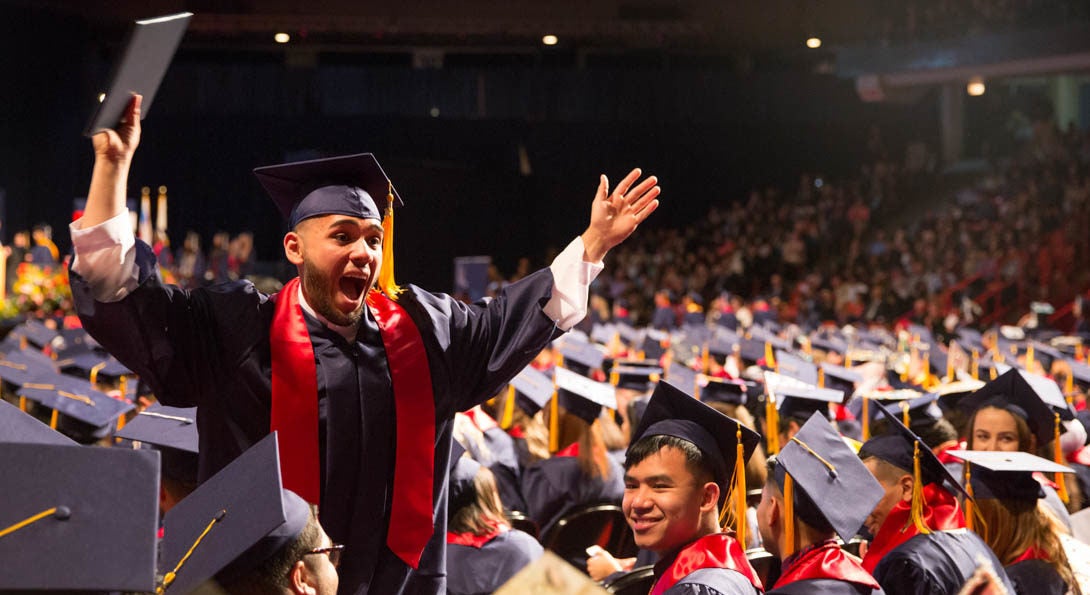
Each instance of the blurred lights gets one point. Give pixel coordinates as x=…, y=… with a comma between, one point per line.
x=975, y=87
x=813, y=43
x=282, y=38
x=550, y=40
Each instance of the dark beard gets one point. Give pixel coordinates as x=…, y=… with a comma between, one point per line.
x=318, y=289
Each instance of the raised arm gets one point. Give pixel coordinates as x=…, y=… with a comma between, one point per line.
x=614, y=216
x=113, y=156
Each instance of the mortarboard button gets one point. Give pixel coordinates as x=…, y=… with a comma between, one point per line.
x=352, y=185
x=75, y=518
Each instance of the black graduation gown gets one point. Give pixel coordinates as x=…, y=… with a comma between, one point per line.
x=209, y=347
x=824, y=586
x=473, y=571
x=938, y=562
x=712, y=581
x=1036, y=577
x=503, y=461
x=555, y=486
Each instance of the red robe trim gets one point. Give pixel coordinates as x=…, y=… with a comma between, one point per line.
x=481, y=420
x=572, y=450
x=473, y=540
x=718, y=550
x=1033, y=553
x=826, y=561
x=295, y=415
x=940, y=511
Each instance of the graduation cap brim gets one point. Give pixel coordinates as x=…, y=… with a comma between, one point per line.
x=17, y=426
x=77, y=399
x=247, y=498
x=796, y=367
x=102, y=536
x=583, y=356
x=146, y=57
x=723, y=391
x=897, y=446
x=844, y=495
x=289, y=183
x=582, y=396
x=671, y=411
x=167, y=427
x=1039, y=398
x=1007, y=475
x=533, y=389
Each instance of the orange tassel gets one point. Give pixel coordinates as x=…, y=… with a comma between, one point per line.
x=508, y=408
x=386, y=283
x=865, y=414
x=916, y=510
x=1058, y=456
x=789, y=515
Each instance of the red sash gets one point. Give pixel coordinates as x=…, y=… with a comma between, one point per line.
x=1032, y=553
x=940, y=511
x=572, y=450
x=473, y=540
x=295, y=415
x=942, y=452
x=481, y=420
x=718, y=550
x=826, y=561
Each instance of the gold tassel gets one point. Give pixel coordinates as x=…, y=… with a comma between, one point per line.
x=969, y=508
x=865, y=422
x=1058, y=456
x=788, y=514
x=1029, y=357
x=53, y=420
x=976, y=365
x=821, y=377
x=848, y=359
x=770, y=358
x=508, y=408
x=94, y=372
x=122, y=386
x=738, y=487
x=1069, y=386
x=916, y=510
x=905, y=418
x=705, y=359
x=772, y=424
x=22, y=403
x=950, y=372
x=386, y=283
x=554, y=424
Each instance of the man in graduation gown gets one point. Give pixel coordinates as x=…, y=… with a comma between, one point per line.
x=686, y=462
x=831, y=493
x=376, y=464
x=920, y=545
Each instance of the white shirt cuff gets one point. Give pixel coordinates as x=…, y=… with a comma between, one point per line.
x=105, y=256
x=572, y=277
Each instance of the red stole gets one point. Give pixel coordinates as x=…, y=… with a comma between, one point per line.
x=295, y=415
x=940, y=511
x=481, y=420
x=473, y=540
x=826, y=561
x=942, y=452
x=572, y=450
x=718, y=550
x=1032, y=553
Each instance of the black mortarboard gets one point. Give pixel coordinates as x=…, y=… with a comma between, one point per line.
x=581, y=358
x=532, y=390
x=92, y=515
x=148, y=52
x=352, y=185
x=1035, y=399
x=244, y=514
x=93, y=364
x=830, y=481
x=794, y=366
x=73, y=341
x=20, y=367
x=840, y=378
x=951, y=393
x=1006, y=475
x=172, y=430
x=800, y=403
x=641, y=378
x=765, y=336
x=718, y=390
x=900, y=446
x=1046, y=354
x=673, y=412
x=463, y=471
x=17, y=426
x=682, y=377
x=603, y=333
x=631, y=335
x=971, y=337
x=1080, y=372
x=88, y=413
x=751, y=351
x=582, y=396
x=921, y=409
x=36, y=333
x=829, y=344
x=723, y=346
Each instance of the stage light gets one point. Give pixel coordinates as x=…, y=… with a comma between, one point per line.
x=975, y=87
x=282, y=38
x=549, y=40
x=813, y=43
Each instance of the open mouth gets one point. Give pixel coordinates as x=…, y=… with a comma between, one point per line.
x=353, y=287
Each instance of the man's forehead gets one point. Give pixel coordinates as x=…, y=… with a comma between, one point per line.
x=667, y=461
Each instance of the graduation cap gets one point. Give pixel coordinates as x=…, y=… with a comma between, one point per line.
x=996, y=475
x=36, y=333
x=829, y=344
x=922, y=409
x=581, y=358
x=765, y=336
x=582, y=396
x=726, y=443
x=148, y=53
x=93, y=365
x=631, y=335
x=73, y=341
x=718, y=390
x=1044, y=353
x=603, y=333
x=651, y=346
x=794, y=366
x=801, y=402
x=1080, y=373
x=532, y=389
x=639, y=378
x=682, y=377
x=77, y=518
x=463, y=472
x=863, y=408
x=18, y=426
x=838, y=378
x=349, y=185
x=173, y=431
x=824, y=482
x=21, y=367
x=752, y=351
x=1036, y=399
x=951, y=393
x=88, y=414
x=233, y=522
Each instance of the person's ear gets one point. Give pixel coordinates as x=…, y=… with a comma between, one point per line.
x=709, y=498
x=293, y=247
x=906, y=482
x=300, y=579
x=792, y=428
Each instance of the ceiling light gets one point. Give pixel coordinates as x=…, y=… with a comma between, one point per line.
x=282, y=37
x=975, y=87
x=813, y=43
x=549, y=40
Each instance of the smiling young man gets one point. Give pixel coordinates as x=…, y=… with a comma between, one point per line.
x=679, y=473
x=360, y=378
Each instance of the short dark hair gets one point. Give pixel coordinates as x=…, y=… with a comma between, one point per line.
x=272, y=575
x=805, y=508
x=695, y=461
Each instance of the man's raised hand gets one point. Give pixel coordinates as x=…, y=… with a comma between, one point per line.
x=615, y=215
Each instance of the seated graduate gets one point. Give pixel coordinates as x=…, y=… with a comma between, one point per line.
x=817, y=489
x=1016, y=524
x=686, y=463
x=582, y=472
x=920, y=544
x=244, y=531
x=173, y=432
x=481, y=436
x=483, y=551
x=519, y=414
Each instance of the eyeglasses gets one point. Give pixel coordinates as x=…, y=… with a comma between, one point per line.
x=333, y=551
